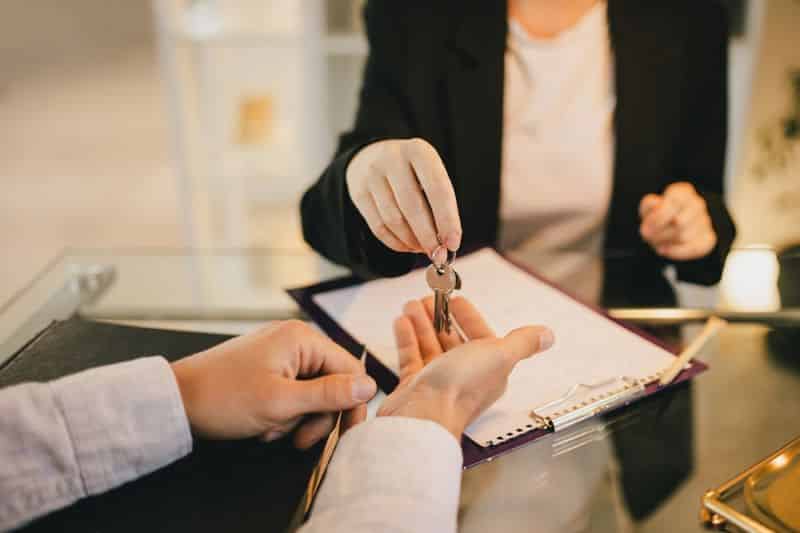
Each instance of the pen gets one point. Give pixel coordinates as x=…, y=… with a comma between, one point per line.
x=710, y=330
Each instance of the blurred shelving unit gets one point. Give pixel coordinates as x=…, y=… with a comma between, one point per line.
x=257, y=92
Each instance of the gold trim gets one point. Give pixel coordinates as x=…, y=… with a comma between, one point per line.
x=716, y=514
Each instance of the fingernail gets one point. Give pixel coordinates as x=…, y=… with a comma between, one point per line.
x=438, y=255
x=364, y=388
x=273, y=435
x=546, y=339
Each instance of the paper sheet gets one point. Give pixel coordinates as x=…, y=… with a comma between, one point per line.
x=589, y=347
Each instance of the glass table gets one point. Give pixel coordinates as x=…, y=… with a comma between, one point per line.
x=642, y=469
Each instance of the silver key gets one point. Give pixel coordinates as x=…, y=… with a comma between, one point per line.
x=443, y=280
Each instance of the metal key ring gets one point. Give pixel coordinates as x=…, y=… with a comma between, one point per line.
x=449, y=258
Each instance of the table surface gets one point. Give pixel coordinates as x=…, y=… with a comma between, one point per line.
x=644, y=469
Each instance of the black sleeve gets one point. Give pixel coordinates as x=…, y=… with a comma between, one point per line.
x=704, y=131
x=331, y=223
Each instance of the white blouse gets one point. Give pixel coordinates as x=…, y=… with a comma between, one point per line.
x=558, y=145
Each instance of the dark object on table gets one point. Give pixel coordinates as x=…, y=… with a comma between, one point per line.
x=240, y=486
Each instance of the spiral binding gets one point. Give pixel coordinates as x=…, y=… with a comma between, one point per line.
x=546, y=422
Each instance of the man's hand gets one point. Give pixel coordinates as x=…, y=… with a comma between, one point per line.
x=452, y=383
x=284, y=376
x=677, y=224
x=402, y=190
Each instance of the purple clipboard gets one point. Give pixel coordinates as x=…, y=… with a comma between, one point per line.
x=474, y=454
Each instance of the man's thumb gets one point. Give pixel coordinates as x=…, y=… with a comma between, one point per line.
x=334, y=392
x=524, y=342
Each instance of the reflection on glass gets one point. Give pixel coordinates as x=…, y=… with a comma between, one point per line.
x=750, y=280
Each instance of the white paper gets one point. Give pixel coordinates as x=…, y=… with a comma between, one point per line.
x=589, y=347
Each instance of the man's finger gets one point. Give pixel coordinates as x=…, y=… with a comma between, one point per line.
x=470, y=319
x=522, y=343
x=438, y=190
x=447, y=340
x=313, y=429
x=408, y=351
x=353, y=417
x=316, y=353
x=429, y=345
x=328, y=394
x=411, y=201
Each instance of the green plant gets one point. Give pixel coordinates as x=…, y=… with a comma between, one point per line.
x=792, y=124
x=778, y=143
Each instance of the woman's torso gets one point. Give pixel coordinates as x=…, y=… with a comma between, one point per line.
x=557, y=146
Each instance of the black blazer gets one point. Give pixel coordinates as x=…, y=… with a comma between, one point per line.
x=435, y=70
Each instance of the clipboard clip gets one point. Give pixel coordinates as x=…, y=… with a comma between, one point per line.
x=582, y=402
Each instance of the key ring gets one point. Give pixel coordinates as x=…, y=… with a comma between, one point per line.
x=449, y=258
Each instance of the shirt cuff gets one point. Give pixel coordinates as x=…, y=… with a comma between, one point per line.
x=124, y=421
x=393, y=470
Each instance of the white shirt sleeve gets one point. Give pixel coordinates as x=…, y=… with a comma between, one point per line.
x=85, y=434
x=391, y=474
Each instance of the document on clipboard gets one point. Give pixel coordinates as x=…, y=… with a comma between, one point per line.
x=596, y=365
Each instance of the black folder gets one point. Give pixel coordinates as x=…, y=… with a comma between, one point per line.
x=242, y=486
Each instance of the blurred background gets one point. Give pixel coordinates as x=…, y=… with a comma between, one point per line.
x=199, y=123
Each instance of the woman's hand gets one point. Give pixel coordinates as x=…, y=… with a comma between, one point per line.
x=285, y=377
x=402, y=190
x=446, y=381
x=677, y=224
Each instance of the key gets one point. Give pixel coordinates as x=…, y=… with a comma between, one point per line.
x=443, y=281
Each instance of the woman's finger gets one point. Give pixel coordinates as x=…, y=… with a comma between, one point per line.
x=390, y=213
x=666, y=235
x=699, y=230
x=679, y=252
x=409, y=357
x=648, y=203
x=439, y=191
x=690, y=215
x=693, y=245
x=660, y=217
x=470, y=319
x=429, y=344
x=366, y=206
x=413, y=205
x=681, y=191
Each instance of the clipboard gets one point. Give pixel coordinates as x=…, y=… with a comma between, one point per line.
x=597, y=398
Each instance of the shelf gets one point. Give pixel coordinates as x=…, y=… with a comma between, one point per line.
x=332, y=44
x=237, y=39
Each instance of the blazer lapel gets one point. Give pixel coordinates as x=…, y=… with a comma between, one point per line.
x=474, y=95
x=645, y=45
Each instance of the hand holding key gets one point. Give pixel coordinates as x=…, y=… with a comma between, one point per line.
x=401, y=188
x=450, y=382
